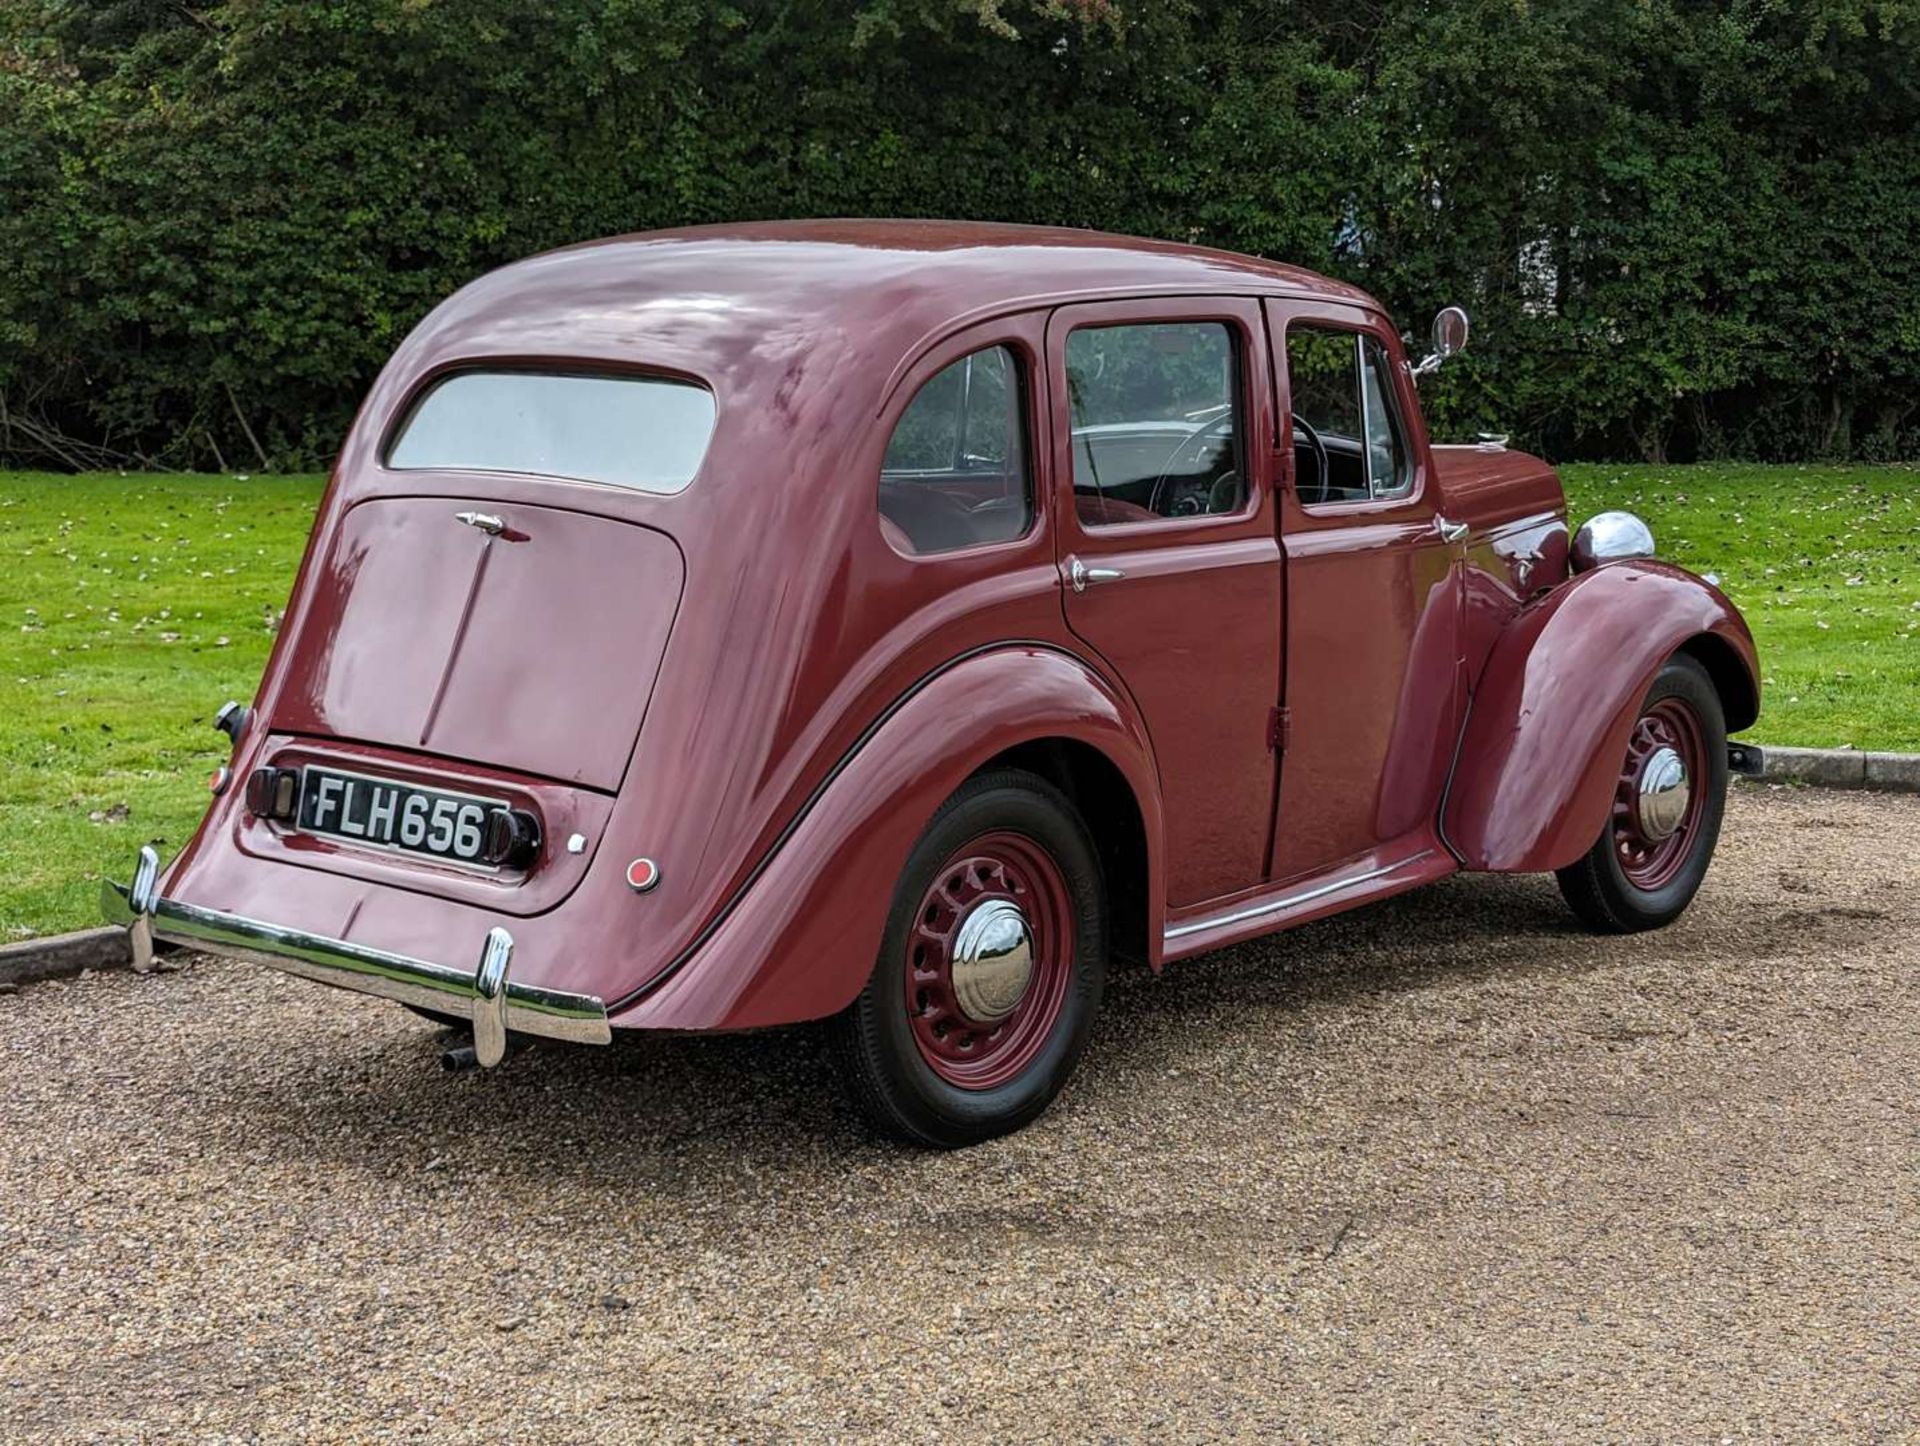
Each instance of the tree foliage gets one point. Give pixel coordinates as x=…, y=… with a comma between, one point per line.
x=1683, y=228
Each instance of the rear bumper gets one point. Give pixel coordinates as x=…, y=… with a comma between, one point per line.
x=484, y=993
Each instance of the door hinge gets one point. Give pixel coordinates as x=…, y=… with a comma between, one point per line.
x=1279, y=729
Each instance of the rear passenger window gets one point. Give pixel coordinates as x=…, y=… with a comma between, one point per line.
x=956, y=473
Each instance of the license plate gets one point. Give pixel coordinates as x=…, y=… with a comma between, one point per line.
x=390, y=815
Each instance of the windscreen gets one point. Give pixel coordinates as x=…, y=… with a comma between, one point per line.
x=647, y=433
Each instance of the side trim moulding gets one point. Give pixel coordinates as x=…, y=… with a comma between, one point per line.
x=1288, y=901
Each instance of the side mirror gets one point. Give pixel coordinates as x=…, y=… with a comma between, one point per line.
x=1449, y=336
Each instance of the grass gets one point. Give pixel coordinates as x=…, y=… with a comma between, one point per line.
x=1825, y=564
x=132, y=607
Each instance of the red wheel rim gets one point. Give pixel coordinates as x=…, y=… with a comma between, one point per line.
x=966, y=1051
x=1650, y=859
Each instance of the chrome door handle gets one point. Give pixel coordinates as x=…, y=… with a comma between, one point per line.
x=485, y=521
x=1084, y=577
x=1451, y=531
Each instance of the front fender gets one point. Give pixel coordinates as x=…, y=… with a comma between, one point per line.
x=1558, y=697
x=800, y=940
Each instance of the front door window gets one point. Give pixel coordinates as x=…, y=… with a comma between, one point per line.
x=1348, y=442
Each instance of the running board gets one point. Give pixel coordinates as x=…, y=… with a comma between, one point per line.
x=1302, y=900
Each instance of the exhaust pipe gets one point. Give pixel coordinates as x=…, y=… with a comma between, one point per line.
x=459, y=1058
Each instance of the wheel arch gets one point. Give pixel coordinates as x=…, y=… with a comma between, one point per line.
x=800, y=941
x=1557, y=698
x=1105, y=800
x=1733, y=677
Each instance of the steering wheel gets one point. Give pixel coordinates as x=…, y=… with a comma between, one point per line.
x=1301, y=425
x=1222, y=423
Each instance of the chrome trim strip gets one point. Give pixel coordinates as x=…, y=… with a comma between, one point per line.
x=485, y=994
x=1290, y=901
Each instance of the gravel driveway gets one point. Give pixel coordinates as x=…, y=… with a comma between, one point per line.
x=1443, y=1168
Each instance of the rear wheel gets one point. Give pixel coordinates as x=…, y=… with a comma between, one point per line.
x=989, y=973
x=1652, y=856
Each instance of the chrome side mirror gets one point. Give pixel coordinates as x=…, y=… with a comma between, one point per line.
x=1450, y=330
x=1609, y=537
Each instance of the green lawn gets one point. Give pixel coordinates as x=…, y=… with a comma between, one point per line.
x=131, y=607
x=1824, y=562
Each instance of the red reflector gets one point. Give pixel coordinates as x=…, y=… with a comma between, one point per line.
x=642, y=874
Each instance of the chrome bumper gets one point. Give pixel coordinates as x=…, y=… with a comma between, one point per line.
x=483, y=994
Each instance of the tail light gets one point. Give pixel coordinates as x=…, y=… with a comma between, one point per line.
x=273, y=792
x=513, y=838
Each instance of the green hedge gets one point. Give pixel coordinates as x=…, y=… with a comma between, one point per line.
x=1682, y=228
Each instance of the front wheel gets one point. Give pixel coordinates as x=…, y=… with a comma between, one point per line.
x=1652, y=856
x=990, y=970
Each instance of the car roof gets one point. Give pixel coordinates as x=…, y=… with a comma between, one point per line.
x=715, y=297
x=988, y=260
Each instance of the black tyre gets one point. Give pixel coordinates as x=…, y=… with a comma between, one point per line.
x=989, y=973
x=1652, y=855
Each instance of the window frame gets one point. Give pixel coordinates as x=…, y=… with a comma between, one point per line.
x=1388, y=399
x=903, y=390
x=1225, y=311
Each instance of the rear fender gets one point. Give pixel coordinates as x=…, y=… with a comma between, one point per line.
x=800, y=941
x=1554, y=706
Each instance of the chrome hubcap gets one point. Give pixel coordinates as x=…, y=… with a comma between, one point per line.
x=992, y=960
x=1660, y=802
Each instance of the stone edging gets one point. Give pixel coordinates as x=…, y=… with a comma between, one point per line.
x=61, y=956
x=64, y=955
x=1843, y=768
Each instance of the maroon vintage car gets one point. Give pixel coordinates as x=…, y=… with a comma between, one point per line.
x=896, y=622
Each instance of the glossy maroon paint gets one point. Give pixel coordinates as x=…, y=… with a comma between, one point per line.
x=1375, y=686
x=807, y=932
x=421, y=637
x=1558, y=699
x=1197, y=616
x=749, y=684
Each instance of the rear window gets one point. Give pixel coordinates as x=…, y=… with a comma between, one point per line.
x=647, y=433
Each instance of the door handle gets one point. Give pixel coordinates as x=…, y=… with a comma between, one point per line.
x=1451, y=531
x=1083, y=577
x=488, y=523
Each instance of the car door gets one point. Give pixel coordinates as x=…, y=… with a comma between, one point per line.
x=1163, y=438
x=1375, y=684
